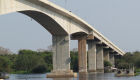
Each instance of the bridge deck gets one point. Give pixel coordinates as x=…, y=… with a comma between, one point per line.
x=97, y=34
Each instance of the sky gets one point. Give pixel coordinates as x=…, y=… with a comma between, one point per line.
x=118, y=20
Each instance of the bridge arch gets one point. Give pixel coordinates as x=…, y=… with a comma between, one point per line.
x=60, y=39
x=61, y=23
x=47, y=22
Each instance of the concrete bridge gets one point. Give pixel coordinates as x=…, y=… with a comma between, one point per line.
x=65, y=26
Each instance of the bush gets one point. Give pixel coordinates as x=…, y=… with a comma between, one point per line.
x=74, y=61
x=123, y=65
x=107, y=63
x=28, y=60
x=4, y=64
x=40, y=69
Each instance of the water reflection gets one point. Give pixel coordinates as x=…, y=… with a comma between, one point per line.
x=100, y=76
x=62, y=79
x=87, y=76
x=83, y=76
x=92, y=76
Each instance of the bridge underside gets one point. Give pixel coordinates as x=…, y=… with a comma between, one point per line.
x=64, y=26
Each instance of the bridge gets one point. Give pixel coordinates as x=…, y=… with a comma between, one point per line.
x=65, y=26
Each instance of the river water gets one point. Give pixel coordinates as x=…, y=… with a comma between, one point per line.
x=106, y=76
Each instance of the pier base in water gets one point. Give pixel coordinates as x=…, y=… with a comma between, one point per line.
x=62, y=74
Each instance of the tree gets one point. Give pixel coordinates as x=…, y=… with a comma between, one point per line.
x=129, y=59
x=4, y=64
x=27, y=60
x=74, y=61
x=107, y=63
x=4, y=51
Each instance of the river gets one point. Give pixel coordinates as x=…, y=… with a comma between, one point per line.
x=106, y=76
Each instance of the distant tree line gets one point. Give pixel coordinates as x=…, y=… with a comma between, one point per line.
x=130, y=58
x=28, y=61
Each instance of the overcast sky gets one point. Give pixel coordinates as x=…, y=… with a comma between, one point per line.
x=118, y=20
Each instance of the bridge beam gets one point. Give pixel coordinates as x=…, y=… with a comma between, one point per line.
x=91, y=56
x=61, y=58
x=82, y=55
x=99, y=59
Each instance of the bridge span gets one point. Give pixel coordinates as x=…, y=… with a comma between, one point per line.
x=65, y=26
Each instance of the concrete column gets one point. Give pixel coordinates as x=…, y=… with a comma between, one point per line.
x=106, y=55
x=61, y=53
x=61, y=57
x=99, y=59
x=112, y=60
x=82, y=55
x=91, y=56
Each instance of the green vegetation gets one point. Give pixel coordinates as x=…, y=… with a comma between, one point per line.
x=129, y=59
x=4, y=64
x=28, y=61
x=107, y=64
x=74, y=61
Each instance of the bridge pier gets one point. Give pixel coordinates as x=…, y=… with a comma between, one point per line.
x=82, y=55
x=61, y=58
x=91, y=56
x=112, y=59
x=99, y=59
x=106, y=55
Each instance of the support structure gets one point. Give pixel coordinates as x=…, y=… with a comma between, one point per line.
x=99, y=59
x=61, y=57
x=91, y=56
x=61, y=24
x=82, y=55
x=112, y=60
x=106, y=55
